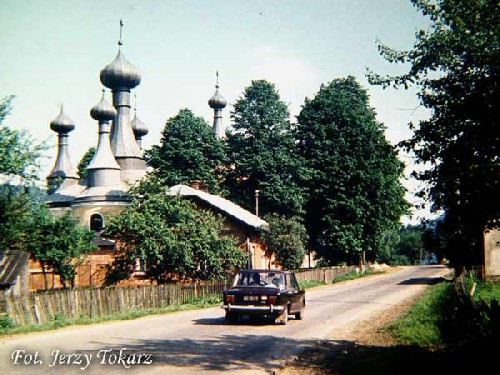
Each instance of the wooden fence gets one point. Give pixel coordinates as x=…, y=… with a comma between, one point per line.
x=43, y=306
x=325, y=275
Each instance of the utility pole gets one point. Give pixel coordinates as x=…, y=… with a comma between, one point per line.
x=257, y=202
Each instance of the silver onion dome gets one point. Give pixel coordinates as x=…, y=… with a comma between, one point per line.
x=217, y=101
x=120, y=74
x=140, y=129
x=62, y=124
x=103, y=111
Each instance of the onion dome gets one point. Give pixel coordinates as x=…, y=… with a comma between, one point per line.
x=120, y=74
x=103, y=111
x=217, y=101
x=62, y=123
x=140, y=129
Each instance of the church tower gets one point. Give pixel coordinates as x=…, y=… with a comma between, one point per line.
x=217, y=103
x=121, y=76
x=63, y=172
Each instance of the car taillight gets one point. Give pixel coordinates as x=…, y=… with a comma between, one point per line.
x=271, y=300
x=229, y=298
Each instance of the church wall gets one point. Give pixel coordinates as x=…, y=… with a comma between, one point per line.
x=95, y=268
x=84, y=212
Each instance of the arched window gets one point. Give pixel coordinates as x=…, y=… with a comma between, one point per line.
x=96, y=222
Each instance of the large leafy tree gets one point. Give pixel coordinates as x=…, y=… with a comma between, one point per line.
x=188, y=150
x=456, y=65
x=19, y=154
x=58, y=242
x=25, y=223
x=172, y=237
x=19, y=162
x=262, y=153
x=354, y=193
x=287, y=239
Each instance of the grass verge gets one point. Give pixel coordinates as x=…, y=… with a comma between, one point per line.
x=310, y=283
x=420, y=325
x=355, y=275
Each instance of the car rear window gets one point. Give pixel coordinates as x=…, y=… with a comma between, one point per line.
x=260, y=278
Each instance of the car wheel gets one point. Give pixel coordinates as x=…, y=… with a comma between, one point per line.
x=231, y=317
x=300, y=314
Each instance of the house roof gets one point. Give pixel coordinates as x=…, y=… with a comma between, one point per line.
x=11, y=264
x=221, y=204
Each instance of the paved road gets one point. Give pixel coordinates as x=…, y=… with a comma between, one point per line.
x=201, y=342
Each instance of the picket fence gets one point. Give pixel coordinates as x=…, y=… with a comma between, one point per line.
x=43, y=306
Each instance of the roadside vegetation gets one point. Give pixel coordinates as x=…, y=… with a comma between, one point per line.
x=355, y=275
x=450, y=313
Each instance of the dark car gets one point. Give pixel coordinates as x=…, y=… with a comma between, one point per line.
x=266, y=293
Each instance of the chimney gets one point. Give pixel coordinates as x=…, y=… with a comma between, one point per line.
x=199, y=185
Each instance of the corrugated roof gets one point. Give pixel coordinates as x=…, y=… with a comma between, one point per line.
x=221, y=204
x=11, y=264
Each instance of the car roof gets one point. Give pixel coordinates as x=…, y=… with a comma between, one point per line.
x=262, y=270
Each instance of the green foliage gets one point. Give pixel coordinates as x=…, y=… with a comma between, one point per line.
x=58, y=242
x=420, y=325
x=6, y=324
x=306, y=284
x=355, y=195
x=20, y=155
x=352, y=275
x=286, y=238
x=15, y=211
x=455, y=64
x=172, y=237
x=85, y=162
x=262, y=153
x=188, y=150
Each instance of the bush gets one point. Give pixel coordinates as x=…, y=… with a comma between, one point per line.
x=468, y=319
x=6, y=323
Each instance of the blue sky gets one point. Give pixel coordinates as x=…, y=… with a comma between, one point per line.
x=52, y=52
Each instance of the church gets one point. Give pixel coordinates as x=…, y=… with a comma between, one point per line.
x=119, y=163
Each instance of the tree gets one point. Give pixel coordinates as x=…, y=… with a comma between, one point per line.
x=287, y=239
x=20, y=154
x=58, y=242
x=354, y=192
x=188, y=150
x=19, y=164
x=16, y=204
x=455, y=64
x=262, y=153
x=85, y=162
x=172, y=237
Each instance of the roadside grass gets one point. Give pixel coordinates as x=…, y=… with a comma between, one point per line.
x=306, y=284
x=355, y=275
x=9, y=328
x=486, y=291
x=348, y=276
x=420, y=325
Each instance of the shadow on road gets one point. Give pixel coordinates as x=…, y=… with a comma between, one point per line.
x=256, y=321
x=422, y=281
x=347, y=357
x=224, y=352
